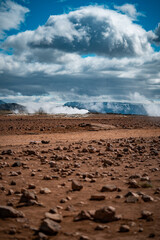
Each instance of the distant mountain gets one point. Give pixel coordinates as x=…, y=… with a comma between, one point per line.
x=1, y=102
x=12, y=107
x=110, y=107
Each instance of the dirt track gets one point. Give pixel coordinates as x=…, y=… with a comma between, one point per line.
x=78, y=136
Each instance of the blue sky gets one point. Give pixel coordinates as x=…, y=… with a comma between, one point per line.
x=64, y=50
x=40, y=10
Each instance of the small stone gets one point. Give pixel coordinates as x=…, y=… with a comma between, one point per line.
x=100, y=227
x=42, y=236
x=9, y=212
x=107, y=163
x=83, y=237
x=109, y=188
x=63, y=200
x=49, y=227
x=118, y=196
x=12, y=231
x=31, y=186
x=140, y=230
x=133, y=184
x=83, y=215
x=45, y=191
x=146, y=215
x=53, y=210
x=124, y=228
x=146, y=178
x=45, y=142
x=55, y=217
x=13, y=174
x=147, y=198
x=105, y=214
x=151, y=235
x=30, y=152
x=12, y=183
x=10, y=192
x=7, y=152
x=27, y=196
x=135, y=176
x=47, y=177
x=76, y=186
x=157, y=191
x=70, y=208
x=97, y=197
x=131, y=197
x=17, y=164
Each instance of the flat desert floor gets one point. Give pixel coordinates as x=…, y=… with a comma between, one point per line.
x=92, y=177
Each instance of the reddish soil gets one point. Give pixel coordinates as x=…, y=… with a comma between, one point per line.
x=96, y=150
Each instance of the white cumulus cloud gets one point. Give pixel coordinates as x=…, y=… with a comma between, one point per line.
x=130, y=10
x=91, y=29
x=93, y=50
x=11, y=16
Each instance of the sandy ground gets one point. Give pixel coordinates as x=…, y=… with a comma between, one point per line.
x=120, y=154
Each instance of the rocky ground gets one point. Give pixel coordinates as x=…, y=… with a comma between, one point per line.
x=95, y=177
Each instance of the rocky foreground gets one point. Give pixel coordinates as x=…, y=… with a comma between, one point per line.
x=94, y=180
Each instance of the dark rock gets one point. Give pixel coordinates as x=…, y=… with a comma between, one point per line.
x=109, y=188
x=147, y=215
x=27, y=196
x=9, y=212
x=12, y=231
x=17, y=164
x=97, y=197
x=55, y=217
x=49, y=227
x=45, y=190
x=100, y=227
x=147, y=198
x=30, y=152
x=105, y=214
x=53, y=210
x=83, y=237
x=107, y=163
x=133, y=184
x=7, y=152
x=124, y=228
x=31, y=186
x=42, y=236
x=63, y=200
x=47, y=177
x=45, y=142
x=76, y=186
x=83, y=215
x=131, y=197
x=12, y=183
x=151, y=235
x=13, y=174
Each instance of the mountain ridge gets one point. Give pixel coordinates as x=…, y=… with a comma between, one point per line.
x=11, y=107
x=110, y=107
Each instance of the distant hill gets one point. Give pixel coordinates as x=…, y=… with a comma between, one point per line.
x=2, y=102
x=11, y=107
x=110, y=107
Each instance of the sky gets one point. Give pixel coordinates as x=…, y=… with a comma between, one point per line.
x=79, y=50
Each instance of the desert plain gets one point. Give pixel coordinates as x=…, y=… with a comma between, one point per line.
x=89, y=177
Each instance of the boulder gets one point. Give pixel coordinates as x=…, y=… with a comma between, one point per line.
x=105, y=214
x=49, y=227
x=9, y=212
x=76, y=186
